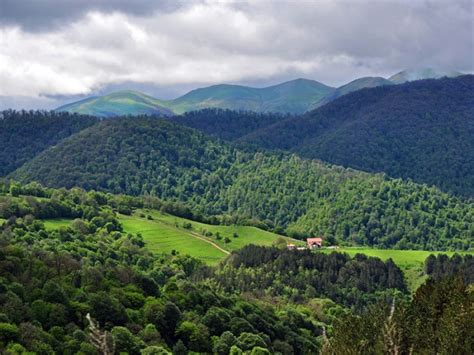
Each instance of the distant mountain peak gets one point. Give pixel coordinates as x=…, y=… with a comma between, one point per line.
x=421, y=73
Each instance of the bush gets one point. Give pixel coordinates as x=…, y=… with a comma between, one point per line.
x=8, y=332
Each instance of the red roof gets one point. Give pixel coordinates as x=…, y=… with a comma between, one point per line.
x=314, y=240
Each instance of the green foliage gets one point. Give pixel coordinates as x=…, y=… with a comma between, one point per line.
x=52, y=278
x=271, y=191
x=438, y=320
x=8, y=332
x=299, y=276
x=24, y=134
x=227, y=124
x=420, y=130
x=441, y=266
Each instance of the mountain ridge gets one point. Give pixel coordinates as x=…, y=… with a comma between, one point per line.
x=423, y=130
x=295, y=96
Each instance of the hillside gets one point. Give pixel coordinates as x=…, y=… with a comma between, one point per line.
x=227, y=124
x=272, y=191
x=24, y=134
x=361, y=83
x=295, y=96
x=422, y=73
x=422, y=130
x=120, y=103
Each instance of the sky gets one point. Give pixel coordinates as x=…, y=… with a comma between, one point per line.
x=52, y=52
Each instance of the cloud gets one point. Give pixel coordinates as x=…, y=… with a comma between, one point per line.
x=83, y=48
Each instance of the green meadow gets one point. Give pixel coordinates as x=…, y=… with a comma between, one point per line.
x=165, y=233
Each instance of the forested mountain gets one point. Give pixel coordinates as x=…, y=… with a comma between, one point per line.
x=120, y=103
x=24, y=134
x=422, y=73
x=296, y=96
x=423, y=130
x=276, y=191
x=361, y=83
x=227, y=124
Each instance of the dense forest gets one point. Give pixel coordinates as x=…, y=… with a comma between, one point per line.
x=227, y=124
x=441, y=266
x=302, y=275
x=422, y=130
x=275, y=191
x=50, y=280
x=439, y=319
x=24, y=134
x=90, y=288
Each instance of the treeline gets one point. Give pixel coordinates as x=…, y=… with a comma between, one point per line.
x=24, y=134
x=275, y=191
x=441, y=266
x=299, y=276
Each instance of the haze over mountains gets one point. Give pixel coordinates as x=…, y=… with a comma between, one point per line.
x=296, y=97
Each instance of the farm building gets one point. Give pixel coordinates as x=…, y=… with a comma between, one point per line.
x=314, y=243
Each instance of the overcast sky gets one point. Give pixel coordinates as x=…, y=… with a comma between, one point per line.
x=53, y=51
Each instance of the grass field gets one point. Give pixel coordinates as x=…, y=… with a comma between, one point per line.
x=166, y=233
x=55, y=223
x=163, y=238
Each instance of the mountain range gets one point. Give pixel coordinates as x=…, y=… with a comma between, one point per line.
x=421, y=130
x=296, y=97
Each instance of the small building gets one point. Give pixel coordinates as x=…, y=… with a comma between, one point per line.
x=291, y=246
x=314, y=243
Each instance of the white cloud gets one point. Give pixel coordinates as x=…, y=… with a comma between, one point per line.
x=214, y=42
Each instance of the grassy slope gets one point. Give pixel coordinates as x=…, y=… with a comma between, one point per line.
x=246, y=234
x=56, y=223
x=126, y=102
x=166, y=233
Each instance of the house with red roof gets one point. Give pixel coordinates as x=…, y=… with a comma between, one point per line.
x=314, y=243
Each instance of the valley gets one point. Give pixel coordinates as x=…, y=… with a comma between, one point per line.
x=165, y=233
x=236, y=177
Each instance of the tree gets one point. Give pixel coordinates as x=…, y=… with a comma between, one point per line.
x=125, y=341
x=259, y=351
x=248, y=341
x=180, y=348
x=155, y=350
x=8, y=332
x=280, y=243
x=225, y=343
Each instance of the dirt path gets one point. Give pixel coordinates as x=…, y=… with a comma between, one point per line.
x=195, y=235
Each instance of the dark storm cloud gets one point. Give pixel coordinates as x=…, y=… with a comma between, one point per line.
x=45, y=15
x=84, y=47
